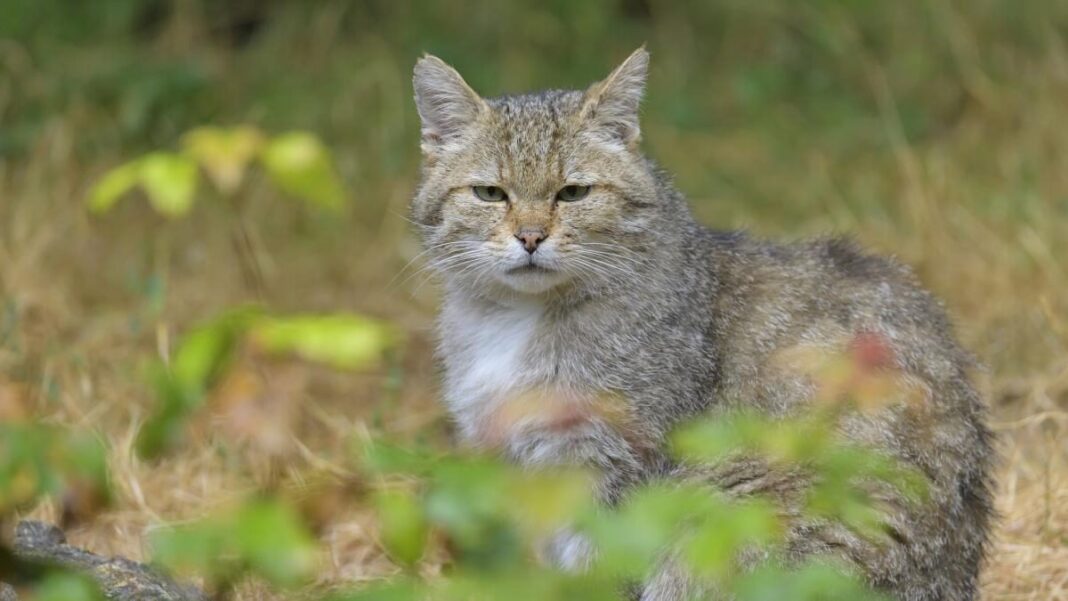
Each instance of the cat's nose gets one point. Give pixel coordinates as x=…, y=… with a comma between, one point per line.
x=531, y=237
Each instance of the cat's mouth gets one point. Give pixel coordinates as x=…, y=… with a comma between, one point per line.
x=529, y=268
x=532, y=277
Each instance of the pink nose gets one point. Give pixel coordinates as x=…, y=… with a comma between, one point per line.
x=531, y=237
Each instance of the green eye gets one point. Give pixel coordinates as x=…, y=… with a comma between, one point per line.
x=572, y=193
x=489, y=193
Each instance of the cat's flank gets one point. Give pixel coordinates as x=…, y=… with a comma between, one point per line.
x=574, y=272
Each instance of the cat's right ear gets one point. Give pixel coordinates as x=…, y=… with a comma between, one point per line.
x=446, y=104
x=612, y=104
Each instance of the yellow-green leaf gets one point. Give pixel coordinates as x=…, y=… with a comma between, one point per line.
x=274, y=542
x=263, y=536
x=61, y=586
x=170, y=180
x=545, y=501
x=402, y=525
x=224, y=153
x=343, y=341
x=112, y=186
x=301, y=165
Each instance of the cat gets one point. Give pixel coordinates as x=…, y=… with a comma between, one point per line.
x=576, y=281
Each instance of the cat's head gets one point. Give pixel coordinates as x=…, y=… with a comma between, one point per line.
x=531, y=193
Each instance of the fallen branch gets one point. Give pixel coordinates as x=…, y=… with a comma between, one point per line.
x=120, y=579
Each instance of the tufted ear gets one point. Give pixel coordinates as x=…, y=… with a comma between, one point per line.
x=612, y=104
x=446, y=104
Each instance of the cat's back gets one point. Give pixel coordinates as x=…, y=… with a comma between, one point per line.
x=823, y=292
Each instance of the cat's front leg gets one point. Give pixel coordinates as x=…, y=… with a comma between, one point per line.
x=569, y=551
x=672, y=582
x=572, y=551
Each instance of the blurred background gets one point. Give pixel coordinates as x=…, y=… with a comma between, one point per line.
x=933, y=130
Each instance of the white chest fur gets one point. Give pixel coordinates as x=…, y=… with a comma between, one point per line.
x=514, y=383
x=490, y=356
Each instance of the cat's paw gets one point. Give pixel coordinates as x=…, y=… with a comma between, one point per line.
x=569, y=551
x=672, y=583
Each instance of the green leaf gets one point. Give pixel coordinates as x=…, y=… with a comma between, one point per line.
x=200, y=358
x=61, y=586
x=170, y=181
x=224, y=153
x=274, y=542
x=342, y=341
x=301, y=165
x=631, y=538
x=544, y=501
x=817, y=580
x=526, y=583
x=467, y=496
x=262, y=536
x=384, y=458
x=112, y=186
x=38, y=460
x=198, y=548
x=402, y=525
x=725, y=531
x=396, y=590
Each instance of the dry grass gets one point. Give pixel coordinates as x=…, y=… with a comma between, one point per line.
x=75, y=322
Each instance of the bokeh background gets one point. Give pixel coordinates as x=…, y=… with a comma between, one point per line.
x=933, y=130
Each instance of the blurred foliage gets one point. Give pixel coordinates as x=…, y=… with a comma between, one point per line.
x=62, y=586
x=262, y=536
x=493, y=517
x=205, y=356
x=199, y=361
x=38, y=460
x=344, y=341
x=297, y=162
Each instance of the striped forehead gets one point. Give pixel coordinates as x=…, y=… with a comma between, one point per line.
x=529, y=131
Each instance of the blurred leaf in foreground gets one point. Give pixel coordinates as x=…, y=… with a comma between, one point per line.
x=395, y=590
x=402, y=525
x=632, y=537
x=817, y=580
x=382, y=459
x=62, y=586
x=204, y=356
x=201, y=357
x=720, y=535
x=224, y=153
x=113, y=185
x=302, y=166
x=264, y=537
x=170, y=181
x=38, y=460
x=344, y=341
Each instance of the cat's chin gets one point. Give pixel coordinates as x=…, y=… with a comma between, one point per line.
x=532, y=280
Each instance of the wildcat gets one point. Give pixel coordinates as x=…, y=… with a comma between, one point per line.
x=573, y=271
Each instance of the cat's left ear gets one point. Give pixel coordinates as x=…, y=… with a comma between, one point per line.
x=612, y=104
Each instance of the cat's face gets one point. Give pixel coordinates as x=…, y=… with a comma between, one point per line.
x=531, y=193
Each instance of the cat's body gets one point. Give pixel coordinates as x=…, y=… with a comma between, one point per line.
x=586, y=314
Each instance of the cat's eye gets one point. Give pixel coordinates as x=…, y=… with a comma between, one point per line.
x=489, y=193
x=572, y=193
